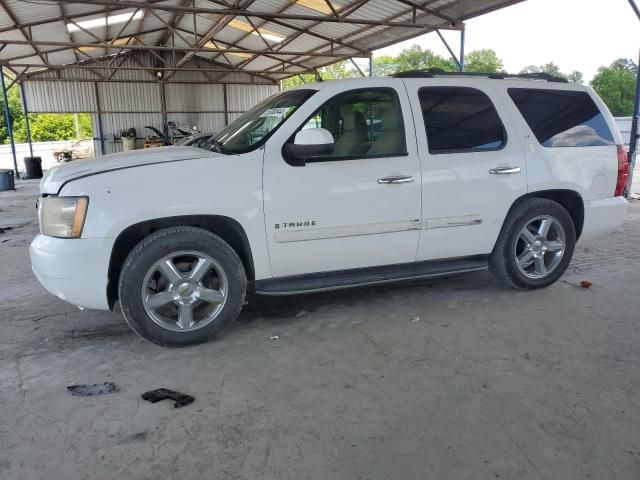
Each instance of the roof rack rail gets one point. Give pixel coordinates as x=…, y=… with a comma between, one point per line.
x=438, y=72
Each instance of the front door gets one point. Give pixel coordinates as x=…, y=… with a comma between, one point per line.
x=347, y=209
x=473, y=166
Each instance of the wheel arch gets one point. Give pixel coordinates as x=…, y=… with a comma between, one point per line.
x=226, y=228
x=571, y=200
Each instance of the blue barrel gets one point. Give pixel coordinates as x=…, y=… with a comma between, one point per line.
x=7, y=180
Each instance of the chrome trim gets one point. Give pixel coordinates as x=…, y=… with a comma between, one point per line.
x=504, y=170
x=322, y=233
x=457, y=221
x=396, y=179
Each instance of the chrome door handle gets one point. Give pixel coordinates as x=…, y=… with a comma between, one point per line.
x=504, y=170
x=397, y=179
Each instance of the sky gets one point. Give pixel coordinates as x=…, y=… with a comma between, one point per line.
x=574, y=34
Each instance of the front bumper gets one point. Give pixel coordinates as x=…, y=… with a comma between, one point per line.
x=603, y=216
x=75, y=270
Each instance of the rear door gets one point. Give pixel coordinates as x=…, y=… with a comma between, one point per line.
x=345, y=210
x=473, y=165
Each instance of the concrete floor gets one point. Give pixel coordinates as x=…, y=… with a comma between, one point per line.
x=455, y=379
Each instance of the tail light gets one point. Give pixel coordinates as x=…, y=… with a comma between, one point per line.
x=623, y=171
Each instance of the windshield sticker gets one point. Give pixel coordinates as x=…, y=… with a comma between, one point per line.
x=275, y=112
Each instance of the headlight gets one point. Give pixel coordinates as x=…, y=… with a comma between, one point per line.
x=63, y=216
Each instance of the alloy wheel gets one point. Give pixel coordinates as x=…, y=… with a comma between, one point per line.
x=184, y=291
x=540, y=247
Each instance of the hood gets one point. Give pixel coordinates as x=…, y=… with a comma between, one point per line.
x=59, y=175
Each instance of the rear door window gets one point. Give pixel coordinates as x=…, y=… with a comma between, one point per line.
x=561, y=118
x=460, y=119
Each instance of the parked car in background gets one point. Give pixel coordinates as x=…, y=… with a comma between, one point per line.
x=334, y=185
x=199, y=140
x=78, y=150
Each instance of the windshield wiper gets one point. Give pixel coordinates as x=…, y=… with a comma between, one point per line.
x=217, y=146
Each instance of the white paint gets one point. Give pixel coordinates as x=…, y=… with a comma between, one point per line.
x=342, y=217
x=313, y=136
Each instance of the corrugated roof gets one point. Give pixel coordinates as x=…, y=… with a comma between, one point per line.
x=270, y=38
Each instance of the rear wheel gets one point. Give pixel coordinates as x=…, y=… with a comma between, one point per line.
x=181, y=286
x=535, y=246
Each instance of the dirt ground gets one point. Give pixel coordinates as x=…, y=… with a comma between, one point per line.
x=457, y=379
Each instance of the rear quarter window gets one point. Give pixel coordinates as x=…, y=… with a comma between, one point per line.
x=561, y=118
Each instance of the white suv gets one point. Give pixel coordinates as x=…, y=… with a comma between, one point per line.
x=334, y=185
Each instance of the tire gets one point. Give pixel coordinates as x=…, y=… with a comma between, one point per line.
x=177, y=270
x=555, y=248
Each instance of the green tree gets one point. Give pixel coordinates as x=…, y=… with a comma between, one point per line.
x=336, y=71
x=415, y=58
x=553, y=69
x=44, y=126
x=385, y=65
x=15, y=107
x=576, y=77
x=485, y=60
x=616, y=86
x=54, y=126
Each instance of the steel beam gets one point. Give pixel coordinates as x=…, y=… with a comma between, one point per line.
x=633, y=136
x=272, y=81
x=25, y=112
x=635, y=8
x=7, y=116
x=453, y=55
x=461, y=62
x=357, y=67
x=240, y=12
x=163, y=48
x=221, y=69
x=99, y=117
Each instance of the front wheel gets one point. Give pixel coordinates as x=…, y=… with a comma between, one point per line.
x=535, y=246
x=181, y=286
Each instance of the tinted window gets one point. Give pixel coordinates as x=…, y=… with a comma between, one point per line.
x=363, y=122
x=560, y=118
x=460, y=119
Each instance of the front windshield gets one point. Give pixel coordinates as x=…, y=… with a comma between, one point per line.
x=251, y=129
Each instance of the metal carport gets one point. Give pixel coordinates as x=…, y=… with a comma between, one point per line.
x=129, y=62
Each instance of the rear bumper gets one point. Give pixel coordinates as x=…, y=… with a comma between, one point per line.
x=75, y=270
x=603, y=216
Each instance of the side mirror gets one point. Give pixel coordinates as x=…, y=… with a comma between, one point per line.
x=309, y=143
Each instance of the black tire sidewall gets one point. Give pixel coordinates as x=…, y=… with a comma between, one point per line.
x=160, y=244
x=503, y=261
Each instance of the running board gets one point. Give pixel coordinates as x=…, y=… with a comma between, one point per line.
x=322, y=281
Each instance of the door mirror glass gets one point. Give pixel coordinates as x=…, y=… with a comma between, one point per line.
x=309, y=143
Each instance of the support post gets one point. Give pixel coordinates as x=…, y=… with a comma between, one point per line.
x=25, y=111
x=7, y=116
x=357, y=67
x=163, y=111
x=633, y=137
x=461, y=62
x=446, y=44
x=371, y=66
x=226, y=104
x=635, y=8
x=99, y=117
